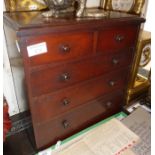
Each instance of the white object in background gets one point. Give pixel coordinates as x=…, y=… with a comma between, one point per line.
x=148, y=26
x=58, y=144
x=136, y=106
x=133, y=107
x=45, y=152
x=17, y=45
x=8, y=86
x=92, y=3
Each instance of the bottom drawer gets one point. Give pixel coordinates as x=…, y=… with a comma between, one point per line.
x=77, y=119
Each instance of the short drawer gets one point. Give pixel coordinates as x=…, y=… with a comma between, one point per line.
x=117, y=38
x=77, y=119
x=61, y=47
x=53, y=78
x=50, y=105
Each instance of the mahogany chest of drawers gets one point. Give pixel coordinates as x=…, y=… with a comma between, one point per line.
x=76, y=69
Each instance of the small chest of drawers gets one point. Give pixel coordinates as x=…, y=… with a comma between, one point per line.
x=76, y=70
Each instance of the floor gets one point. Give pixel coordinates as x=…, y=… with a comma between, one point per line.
x=19, y=144
x=20, y=140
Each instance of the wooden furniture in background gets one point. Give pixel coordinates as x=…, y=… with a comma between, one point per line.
x=140, y=81
x=76, y=69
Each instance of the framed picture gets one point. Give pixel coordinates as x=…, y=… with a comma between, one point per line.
x=24, y=5
x=140, y=81
x=131, y=6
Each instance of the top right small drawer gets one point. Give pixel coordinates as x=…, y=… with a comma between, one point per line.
x=117, y=38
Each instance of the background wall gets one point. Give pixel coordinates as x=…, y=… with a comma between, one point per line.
x=8, y=84
x=148, y=15
x=12, y=87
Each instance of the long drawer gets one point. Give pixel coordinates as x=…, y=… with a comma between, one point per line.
x=77, y=119
x=53, y=78
x=61, y=46
x=51, y=105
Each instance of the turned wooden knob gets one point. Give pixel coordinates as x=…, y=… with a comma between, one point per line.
x=65, y=48
x=65, y=124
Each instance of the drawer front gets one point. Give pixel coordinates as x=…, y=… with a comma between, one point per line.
x=61, y=47
x=117, y=38
x=54, y=78
x=76, y=120
x=48, y=106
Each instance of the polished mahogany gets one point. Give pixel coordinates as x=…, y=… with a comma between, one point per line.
x=81, y=74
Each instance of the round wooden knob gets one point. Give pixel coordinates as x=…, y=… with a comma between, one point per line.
x=65, y=101
x=65, y=77
x=108, y=104
x=119, y=38
x=112, y=83
x=115, y=61
x=65, y=48
x=65, y=124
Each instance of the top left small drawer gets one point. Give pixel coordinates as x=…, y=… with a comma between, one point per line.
x=49, y=48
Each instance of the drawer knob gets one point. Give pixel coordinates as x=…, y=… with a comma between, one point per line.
x=108, y=104
x=65, y=48
x=112, y=83
x=119, y=38
x=115, y=61
x=65, y=101
x=65, y=77
x=65, y=124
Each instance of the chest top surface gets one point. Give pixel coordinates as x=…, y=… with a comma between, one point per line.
x=24, y=21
